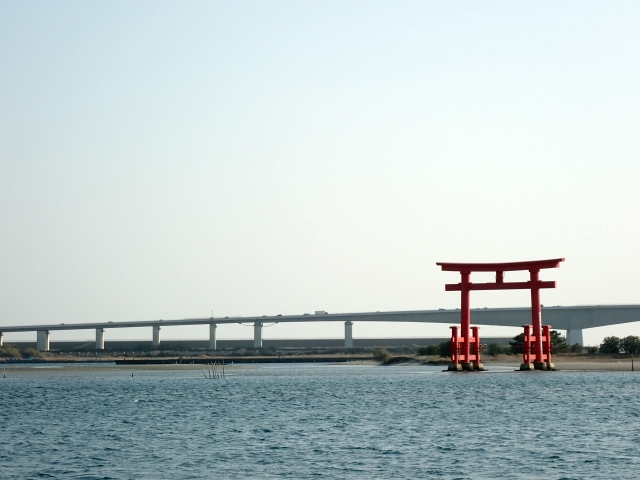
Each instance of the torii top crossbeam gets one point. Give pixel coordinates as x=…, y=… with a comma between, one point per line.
x=465, y=270
x=500, y=267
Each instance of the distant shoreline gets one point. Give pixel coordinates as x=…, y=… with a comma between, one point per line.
x=567, y=362
x=192, y=360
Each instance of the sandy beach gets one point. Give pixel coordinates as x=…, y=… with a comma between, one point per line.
x=590, y=363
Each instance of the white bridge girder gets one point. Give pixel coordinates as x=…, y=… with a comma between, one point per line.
x=573, y=319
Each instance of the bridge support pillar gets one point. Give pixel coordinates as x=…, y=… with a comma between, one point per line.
x=574, y=336
x=99, y=338
x=212, y=336
x=43, y=340
x=257, y=335
x=156, y=336
x=348, y=334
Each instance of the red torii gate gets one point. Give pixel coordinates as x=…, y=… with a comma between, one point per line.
x=465, y=348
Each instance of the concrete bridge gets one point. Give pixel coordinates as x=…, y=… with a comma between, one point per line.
x=572, y=319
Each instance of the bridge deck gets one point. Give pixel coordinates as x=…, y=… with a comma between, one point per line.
x=563, y=318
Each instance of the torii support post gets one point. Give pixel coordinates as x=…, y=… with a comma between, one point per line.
x=465, y=351
x=538, y=349
x=461, y=358
x=530, y=344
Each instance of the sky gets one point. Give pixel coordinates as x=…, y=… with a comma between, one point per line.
x=183, y=159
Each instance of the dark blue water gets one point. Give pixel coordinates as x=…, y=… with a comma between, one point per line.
x=307, y=421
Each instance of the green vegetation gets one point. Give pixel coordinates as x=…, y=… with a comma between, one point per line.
x=592, y=350
x=31, y=352
x=516, y=344
x=558, y=343
x=445, y=349
x=610, y=345
x=630, y=344
x=495, y=349
x=382, y=355
x=577, y=348
x=429, y=350
x=10, y=351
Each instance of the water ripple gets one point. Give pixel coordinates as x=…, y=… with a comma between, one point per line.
x=305, y=421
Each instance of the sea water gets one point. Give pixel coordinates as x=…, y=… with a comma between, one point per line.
x=319, y=421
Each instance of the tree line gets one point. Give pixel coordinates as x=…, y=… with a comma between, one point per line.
x=630, y=344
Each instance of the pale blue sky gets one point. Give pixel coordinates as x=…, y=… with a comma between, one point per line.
x=167, y=159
